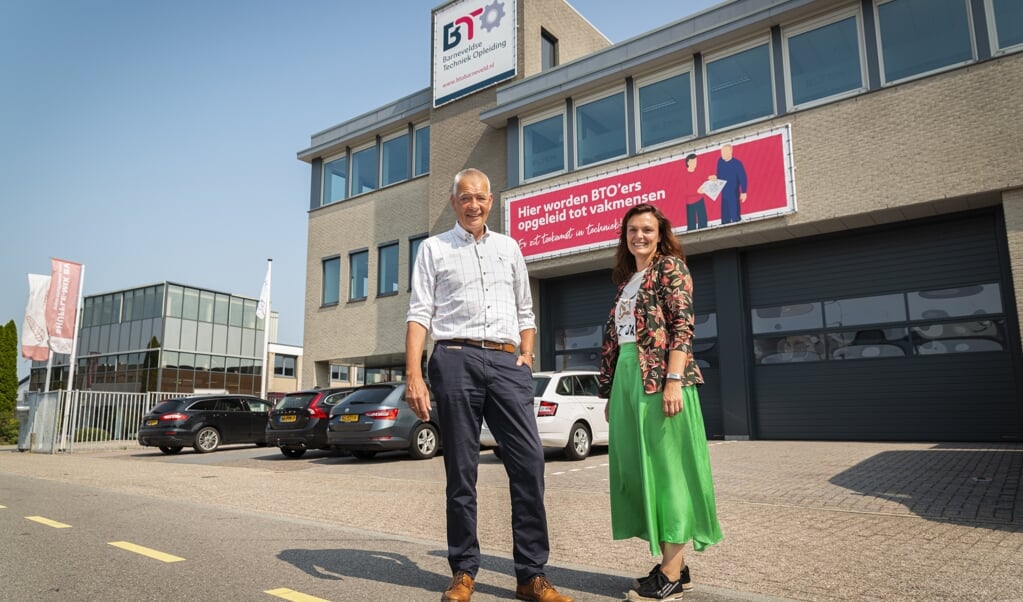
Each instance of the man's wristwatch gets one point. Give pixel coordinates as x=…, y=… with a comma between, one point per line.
x=531, y=355
x=673, y=376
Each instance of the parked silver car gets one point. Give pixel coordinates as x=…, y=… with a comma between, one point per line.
x=376, y=418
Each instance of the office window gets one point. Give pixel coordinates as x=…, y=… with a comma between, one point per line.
x=331, y=281
x=234, y=318
x=665, y=110
x=823, y=60
x=394, y=160
x=358, y=268
x=335, y=181
x=1006, y=24
x=190, y=307
x=206, y=299
x=422, y=158
x=413, y=252
x=543, y=147
x=387, y=270
x=364, y=170
x=338, y=372
x=740, y=87
x=284, y=365
x=174, y=302
x=919, y=36
x=600, y=130
x=548, y=50
x=220, y=309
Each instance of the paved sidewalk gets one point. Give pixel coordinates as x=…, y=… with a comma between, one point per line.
x=801, y=520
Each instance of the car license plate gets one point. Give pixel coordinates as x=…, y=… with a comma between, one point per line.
x=291, y=418
x=349, y=417
x=152, y=422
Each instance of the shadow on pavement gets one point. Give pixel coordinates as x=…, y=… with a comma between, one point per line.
x=398, y=569
x=976, y=484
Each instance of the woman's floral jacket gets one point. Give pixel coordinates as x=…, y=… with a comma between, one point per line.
x=664, y=322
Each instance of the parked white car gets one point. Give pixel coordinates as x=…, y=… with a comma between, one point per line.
x=569, y=415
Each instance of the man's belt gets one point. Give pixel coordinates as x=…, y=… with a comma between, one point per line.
x=508, y=347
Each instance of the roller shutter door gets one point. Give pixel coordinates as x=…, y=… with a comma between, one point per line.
x=918, y=378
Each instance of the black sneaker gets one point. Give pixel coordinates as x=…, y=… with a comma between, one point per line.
x=684, y=578
x=657, y=587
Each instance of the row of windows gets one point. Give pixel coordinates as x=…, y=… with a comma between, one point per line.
x=388, y=160
x=179, y=335
x=137, y=304
x=207, y=306
x=955, y=320
x=822, y=60
x=182, y=302
x=358, y=271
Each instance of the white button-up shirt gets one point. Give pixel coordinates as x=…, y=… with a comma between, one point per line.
x=464, y=288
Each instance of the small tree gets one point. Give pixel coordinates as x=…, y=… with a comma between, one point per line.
x=8, y=382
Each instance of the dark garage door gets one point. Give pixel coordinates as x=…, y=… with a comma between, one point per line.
x=898, y=333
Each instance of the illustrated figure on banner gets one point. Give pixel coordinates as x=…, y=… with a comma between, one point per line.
x=697, y=184
x=733, y=194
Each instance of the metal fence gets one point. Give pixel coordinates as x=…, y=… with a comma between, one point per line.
x=61, y=421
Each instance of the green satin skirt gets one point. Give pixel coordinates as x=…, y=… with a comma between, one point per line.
x=661, y=484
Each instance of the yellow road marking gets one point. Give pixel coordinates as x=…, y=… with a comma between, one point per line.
x=150, y=552
x=2, y=507
x=48, y=522
x=290, y=594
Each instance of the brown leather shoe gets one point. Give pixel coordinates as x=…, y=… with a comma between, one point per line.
x=539, y=589
x=460, y=589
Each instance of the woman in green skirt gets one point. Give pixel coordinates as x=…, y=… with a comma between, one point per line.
x=661, y=486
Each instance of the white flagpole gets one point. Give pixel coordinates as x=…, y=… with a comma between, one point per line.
x=74, y=335
x=266, y=331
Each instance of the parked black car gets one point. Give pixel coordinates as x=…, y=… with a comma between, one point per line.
x=375, y=418
x=205, y=422
x=299, y=420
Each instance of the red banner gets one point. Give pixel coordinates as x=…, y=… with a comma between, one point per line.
x=62, y=304
x=722, y=185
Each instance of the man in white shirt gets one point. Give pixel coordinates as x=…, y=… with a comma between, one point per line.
x=470, y=291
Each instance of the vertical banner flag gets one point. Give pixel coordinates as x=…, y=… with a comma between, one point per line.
x=34, y=342
x=264, y=295
x=62, y=304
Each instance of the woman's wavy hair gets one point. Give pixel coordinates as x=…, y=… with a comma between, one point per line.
x=667, y=245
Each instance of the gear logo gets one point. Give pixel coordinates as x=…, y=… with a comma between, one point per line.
x=492, y=16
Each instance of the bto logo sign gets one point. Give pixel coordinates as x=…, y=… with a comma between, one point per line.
x=489, y=19
x=474, y=47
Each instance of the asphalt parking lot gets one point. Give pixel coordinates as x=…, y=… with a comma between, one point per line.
x=801, y=520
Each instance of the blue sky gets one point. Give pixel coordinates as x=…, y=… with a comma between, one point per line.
x=156, y=141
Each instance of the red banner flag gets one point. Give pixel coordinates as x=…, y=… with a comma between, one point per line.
x=62, y=304
x=34, y=343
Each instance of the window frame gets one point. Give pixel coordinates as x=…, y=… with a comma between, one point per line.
x=992, y=32
x=416, y=128
x=352, y=255
x=381, y=162
x=603, y=94
x=820, y=22
x=548, y=39
x=536, y=118
x=323, y=281
x=348, y=178
x=732, y=50
x=885, y=82
x=394, y=244
x=351, y=169
x=654, y=78
x=414, y=243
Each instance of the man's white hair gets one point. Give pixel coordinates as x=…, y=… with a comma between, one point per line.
x=467, y=172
